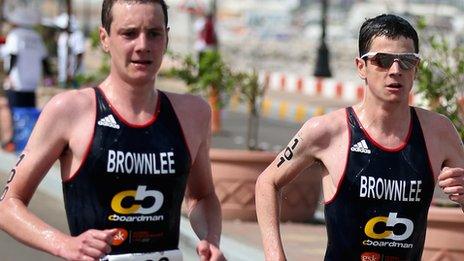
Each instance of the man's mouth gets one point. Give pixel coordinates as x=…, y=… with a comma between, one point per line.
x=395, y=85
x=142, y=62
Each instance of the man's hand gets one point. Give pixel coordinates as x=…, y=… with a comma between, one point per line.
x=90, y=245
x=451, y=180
x=209, y=252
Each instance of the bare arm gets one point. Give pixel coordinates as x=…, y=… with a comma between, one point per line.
x=203, y=205
x=48, y=140
x=298, y=155
x=451, y=178
x=42, y=150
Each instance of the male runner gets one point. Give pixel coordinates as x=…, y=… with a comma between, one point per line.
x=128, y=152
x=382, y=158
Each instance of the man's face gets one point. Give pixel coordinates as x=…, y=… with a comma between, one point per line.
x=137, y=41
x=389, y=83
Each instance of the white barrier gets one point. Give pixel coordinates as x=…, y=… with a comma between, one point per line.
x=312, y=86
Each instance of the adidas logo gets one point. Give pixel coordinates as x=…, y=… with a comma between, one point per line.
x=361, y=147
x=108, y=121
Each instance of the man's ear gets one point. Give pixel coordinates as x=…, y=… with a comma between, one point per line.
x=361, y=67
x=416, y=70
x=104, y=39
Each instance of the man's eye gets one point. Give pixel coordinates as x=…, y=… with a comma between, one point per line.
x=154, y=34
x=129, y=34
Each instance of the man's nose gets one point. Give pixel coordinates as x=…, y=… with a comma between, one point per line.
x=395, y=68
x=142, y=43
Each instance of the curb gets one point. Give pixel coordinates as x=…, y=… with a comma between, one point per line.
x=51, y=185
x=284, y=110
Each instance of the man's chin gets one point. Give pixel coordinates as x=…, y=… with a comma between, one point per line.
x=141, y=80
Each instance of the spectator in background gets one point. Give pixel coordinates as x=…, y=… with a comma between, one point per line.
x=6, y=132
x=206, y=35
x=24, y=57
x=71, y=48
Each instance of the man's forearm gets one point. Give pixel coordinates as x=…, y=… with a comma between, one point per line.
x=205, y=218
x=21, y=224
x=267, y=210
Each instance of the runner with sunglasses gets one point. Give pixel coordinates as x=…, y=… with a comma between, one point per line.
x=382, y=158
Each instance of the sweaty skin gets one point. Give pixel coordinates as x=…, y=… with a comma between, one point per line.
x=385, y=115
x=136, y=44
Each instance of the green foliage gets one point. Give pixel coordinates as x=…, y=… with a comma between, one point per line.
x=250, y=90
x=94, y=36
x=211, y=73
x=441, y=76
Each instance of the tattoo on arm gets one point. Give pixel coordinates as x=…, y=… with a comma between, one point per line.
x=10, y=178
x=288, y=153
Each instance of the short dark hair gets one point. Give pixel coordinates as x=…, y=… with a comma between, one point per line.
x=107, y=7
x=388, y=25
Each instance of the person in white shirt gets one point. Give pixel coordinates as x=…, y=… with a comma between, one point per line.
x=25, y=59
x=71, y=48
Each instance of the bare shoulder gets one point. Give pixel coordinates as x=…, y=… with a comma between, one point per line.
x=188, y=101
x=63, y=117
x=194, y=116
x=328, y=125
x=435, y=123
x=190, y=107
x=443, y=141
x=67, y=113
x=71, y=103
x=319, y=132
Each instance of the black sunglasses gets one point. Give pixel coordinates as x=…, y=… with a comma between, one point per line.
x=407, y=61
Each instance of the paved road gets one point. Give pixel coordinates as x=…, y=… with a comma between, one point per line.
x=272, y=134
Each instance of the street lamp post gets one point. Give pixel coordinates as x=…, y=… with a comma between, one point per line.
x=322, y=63
x=87, y=17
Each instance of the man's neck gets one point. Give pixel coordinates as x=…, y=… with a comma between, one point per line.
x=130, y=98
x=385, y=120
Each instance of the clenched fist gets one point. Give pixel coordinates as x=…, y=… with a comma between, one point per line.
x=451, y=180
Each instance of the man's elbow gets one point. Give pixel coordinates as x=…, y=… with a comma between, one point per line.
x=259, y=183
x=5, y=207
x=263, y=184
x=210, y=198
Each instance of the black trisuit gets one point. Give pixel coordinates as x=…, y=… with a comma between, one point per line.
x=133, y=178
x=379, y=212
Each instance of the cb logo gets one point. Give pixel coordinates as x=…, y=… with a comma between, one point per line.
x=390, y=222
x=138, y=195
